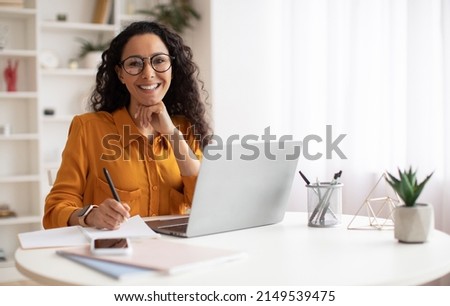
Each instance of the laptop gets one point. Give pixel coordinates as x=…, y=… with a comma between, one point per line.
x=239, y=186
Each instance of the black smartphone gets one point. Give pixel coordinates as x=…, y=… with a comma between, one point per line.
x=111, y=246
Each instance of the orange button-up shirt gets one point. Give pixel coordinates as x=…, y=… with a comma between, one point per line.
x=145, y=173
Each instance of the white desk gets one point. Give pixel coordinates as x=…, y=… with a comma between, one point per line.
x=289, y=253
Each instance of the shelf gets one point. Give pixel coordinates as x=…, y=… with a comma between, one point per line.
x=126, y=18
x=58, y=119
x=19, y=136
x=62, y=25
x=18, y=12
x=18, y=53
x=20, y=220
x=20, y=178
x=69, y=72
x=19, y=95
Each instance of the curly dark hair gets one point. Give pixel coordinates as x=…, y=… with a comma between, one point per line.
x=183, y=96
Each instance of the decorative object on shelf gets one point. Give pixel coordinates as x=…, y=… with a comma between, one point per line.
x=73, y=63
x=11, y=3
x=5, y=129
x=48, y=59
x=49, y=111
x=61, y=17
x=176, y=14
x=90, y=52
x=131, y=8
x=4, y=30
x=102, y=11
x=413, y=221
x=10, y=75
x=380, y=208
x=6, y=212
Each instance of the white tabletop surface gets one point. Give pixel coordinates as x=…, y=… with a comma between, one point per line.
x=288, y=253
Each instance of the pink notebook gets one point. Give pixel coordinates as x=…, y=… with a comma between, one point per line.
x=164, y=256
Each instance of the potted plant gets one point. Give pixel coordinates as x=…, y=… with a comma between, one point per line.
x=91, y=52
x=176, y=14
x=412, y=221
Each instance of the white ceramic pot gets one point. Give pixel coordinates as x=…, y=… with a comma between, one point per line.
x=413, y=224
x=92, y=59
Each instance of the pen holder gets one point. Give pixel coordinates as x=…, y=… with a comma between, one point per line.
x=324, y=204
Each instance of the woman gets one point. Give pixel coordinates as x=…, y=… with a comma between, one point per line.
x=148, y=130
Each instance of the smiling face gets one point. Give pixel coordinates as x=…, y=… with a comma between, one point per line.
x=148, y=87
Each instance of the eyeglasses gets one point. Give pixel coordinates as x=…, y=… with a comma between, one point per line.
x=134, y=65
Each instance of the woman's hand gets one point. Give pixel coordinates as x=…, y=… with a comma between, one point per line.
x=110, y=214
x=155, y=116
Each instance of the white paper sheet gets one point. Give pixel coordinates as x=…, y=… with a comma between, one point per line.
x=135, y=227
x=55, y=237
x=76, y=235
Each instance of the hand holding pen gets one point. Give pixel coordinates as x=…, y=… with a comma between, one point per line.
x=111, y=185
x=120, y=211
x=111, y=213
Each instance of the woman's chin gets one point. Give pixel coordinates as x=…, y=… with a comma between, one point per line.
x=148, y=102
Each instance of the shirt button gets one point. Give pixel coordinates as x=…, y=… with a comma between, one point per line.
x=155, y=188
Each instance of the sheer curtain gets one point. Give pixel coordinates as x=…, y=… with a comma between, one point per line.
x=378, y=72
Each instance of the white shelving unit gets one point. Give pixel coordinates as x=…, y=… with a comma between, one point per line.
x=60, y=38
x=36, y=141
x=19, y=153
x=65, y=90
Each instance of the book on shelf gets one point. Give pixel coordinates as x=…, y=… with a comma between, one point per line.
x=102, y=11
x=11, y=4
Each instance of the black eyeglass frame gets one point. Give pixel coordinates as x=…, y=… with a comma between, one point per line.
x=172, y=58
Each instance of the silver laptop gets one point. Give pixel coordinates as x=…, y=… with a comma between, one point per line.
x=239, y=186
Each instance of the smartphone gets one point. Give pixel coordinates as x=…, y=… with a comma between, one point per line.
x=111, y=246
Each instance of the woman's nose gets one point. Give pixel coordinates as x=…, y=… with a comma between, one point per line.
x=148, y=71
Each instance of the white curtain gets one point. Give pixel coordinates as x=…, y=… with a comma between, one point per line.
x=379, y=72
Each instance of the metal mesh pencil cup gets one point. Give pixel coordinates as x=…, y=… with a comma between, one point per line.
x=324, y=204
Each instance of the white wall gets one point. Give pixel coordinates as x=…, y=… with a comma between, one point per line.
x=250, y=73
x=246, y=66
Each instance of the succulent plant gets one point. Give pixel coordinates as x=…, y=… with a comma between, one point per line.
x=407, y=186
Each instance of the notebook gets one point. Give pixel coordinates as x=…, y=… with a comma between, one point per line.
x=157, y=255
x=112, y=269
x=240, y=185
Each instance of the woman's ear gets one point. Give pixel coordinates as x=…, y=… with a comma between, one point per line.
x=119, y=74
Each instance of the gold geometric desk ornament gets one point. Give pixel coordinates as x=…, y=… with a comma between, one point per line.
x=379, y=209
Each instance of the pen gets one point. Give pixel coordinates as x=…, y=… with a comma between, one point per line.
x=319, y=205
x=304, y=178
x=326, y=202
x=111, y=185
